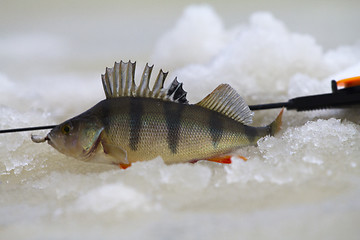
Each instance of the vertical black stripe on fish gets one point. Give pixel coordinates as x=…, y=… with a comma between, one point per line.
x=216, y=128
x=136, y=112
x=173, y=122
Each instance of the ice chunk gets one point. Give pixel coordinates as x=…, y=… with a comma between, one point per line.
x=341, y=58
x=260, y=56
x=199, y=28
x=16, y=149
x=198, y=177
x=300, y=153
x=303, y=85
x=117, y=197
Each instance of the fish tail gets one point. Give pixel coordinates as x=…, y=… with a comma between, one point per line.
x=275, y=126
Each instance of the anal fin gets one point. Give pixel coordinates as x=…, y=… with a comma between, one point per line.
x=221, y=159
x=225, y=159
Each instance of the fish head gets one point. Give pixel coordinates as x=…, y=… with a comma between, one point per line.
x=76, y=138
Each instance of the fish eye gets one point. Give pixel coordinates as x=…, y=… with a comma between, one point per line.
x=66, y=129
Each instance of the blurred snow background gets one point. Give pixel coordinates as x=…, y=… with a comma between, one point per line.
x=303, y=183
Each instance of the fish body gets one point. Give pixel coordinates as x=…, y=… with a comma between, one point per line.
x=135, y=124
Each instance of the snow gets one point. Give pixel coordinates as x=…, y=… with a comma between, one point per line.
x=301, y=183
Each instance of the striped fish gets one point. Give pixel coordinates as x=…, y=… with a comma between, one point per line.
x=135, y=123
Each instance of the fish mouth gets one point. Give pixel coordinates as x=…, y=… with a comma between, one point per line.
x=48, y=139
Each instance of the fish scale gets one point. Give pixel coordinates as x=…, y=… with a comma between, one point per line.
x=190, y=136
x=138, y=124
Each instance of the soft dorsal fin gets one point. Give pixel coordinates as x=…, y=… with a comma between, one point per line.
x=119, y=81
x=225, y=100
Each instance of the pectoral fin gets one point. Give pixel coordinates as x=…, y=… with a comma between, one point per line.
x=124, y=166
x=118, y=154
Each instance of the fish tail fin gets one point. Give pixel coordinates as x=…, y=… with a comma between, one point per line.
x=275, y=126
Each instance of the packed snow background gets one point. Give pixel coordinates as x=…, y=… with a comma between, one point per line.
x=303, y=183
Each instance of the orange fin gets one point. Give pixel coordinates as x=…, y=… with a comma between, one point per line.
x=226, y=159
x=221, y=159
x=124, y=165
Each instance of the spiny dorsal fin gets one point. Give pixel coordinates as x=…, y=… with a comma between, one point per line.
x=225, y=100
x=119, y=81
x=176, y=92
x=143, y=89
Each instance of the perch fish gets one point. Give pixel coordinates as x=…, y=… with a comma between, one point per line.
x=135, y=123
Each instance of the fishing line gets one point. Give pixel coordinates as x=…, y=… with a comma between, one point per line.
x=27, y=129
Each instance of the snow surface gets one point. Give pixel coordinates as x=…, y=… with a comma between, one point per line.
x=303, y=183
